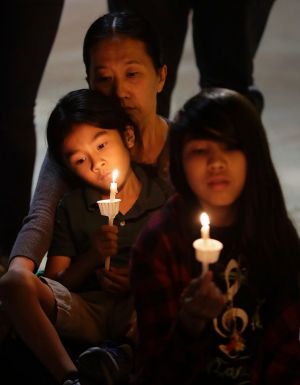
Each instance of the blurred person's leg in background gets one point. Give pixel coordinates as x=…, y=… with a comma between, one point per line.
x=28, y=32
x=226, y=35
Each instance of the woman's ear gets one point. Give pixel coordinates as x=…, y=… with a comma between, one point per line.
x=129, y=136
x=88, y=81
x=162, y=78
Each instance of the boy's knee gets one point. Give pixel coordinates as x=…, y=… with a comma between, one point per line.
x=15, y=280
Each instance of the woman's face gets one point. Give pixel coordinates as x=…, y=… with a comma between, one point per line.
x=215, y=173
x=121, y=66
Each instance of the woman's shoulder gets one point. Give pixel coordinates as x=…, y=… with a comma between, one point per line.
x=52, y=175
x=162, y=163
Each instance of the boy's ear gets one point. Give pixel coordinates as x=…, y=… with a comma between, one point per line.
x=162, y=78
x=129, y=136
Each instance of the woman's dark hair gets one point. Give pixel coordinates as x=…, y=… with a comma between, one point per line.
x=127, y=24
x=84, y=106
x=266, y=232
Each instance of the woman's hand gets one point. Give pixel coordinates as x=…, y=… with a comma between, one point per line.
x=200, y=302
x=115, y=281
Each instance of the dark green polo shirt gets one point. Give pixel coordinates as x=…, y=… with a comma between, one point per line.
x=78, y=218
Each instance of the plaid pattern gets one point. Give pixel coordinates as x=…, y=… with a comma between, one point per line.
x=159, y=274
x=278, y=359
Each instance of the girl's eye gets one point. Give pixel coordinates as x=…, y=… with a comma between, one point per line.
x=231, y=146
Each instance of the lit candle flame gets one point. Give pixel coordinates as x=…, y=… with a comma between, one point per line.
x=113, y=185
x=115, y=175
x=204, y=219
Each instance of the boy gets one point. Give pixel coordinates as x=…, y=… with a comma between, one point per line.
x=90, y=136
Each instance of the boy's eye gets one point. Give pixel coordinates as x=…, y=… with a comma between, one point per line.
x=101, y=146
x=79, y=161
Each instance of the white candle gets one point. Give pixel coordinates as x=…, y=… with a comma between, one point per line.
x=207, y=250
x=204, y=219
x=110, y=209
x=113, y=185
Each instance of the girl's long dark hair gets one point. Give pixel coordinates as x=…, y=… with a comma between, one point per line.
x=266, y=234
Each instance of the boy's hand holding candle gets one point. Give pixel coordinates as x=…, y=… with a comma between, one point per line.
x=207, y=250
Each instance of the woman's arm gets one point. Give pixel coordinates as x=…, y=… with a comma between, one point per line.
x=34, y=238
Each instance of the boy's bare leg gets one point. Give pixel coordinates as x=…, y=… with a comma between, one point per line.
x=30, y=306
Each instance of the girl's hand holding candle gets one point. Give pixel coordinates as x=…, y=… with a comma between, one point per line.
x=207, y=250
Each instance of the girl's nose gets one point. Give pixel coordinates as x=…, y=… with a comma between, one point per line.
x=216, y=161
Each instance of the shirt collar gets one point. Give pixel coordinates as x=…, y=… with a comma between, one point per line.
x=152, y=195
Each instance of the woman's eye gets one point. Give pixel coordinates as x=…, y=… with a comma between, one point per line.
x=102, y=79
x=132, y=74
x=199, y=151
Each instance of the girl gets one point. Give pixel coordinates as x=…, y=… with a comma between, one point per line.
x=122, y=57
x=90, y=136
x=212, y=330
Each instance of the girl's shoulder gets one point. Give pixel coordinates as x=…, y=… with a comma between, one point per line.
x=169, y=217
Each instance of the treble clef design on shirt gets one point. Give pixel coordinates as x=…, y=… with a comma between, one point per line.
x=234, y=320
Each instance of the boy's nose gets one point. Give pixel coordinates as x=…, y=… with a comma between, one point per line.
x=96, y=165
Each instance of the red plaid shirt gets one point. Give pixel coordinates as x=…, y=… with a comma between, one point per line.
x=162, y=265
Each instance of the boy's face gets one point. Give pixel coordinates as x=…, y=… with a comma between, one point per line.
x=215, y=173
x=121, y=66
x=93, y=153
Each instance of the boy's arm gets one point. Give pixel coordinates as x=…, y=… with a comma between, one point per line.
x=72, y=275
x=59, y=268
x=63, y=262
x=116, y=280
